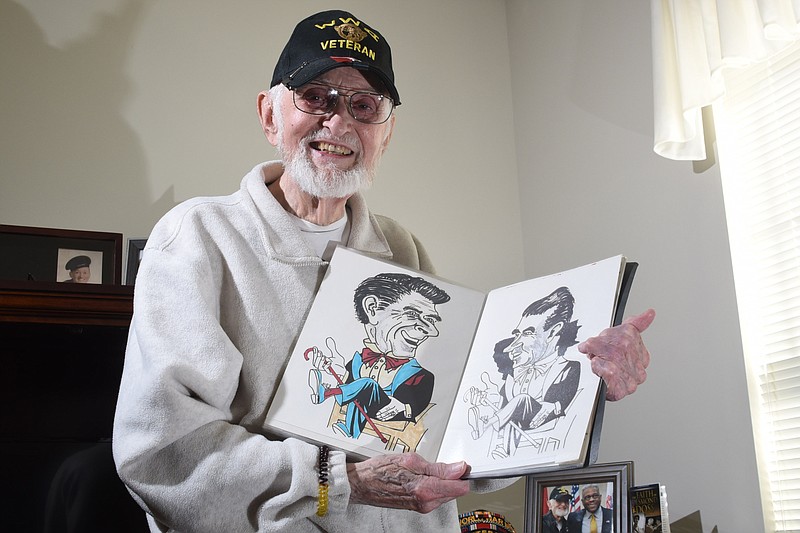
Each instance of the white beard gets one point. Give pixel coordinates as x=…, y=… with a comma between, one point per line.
x=329, y=181
x=326, y=182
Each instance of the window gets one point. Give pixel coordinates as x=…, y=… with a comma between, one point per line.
x=758, y=140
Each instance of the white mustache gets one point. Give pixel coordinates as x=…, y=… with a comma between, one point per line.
x=350, y=140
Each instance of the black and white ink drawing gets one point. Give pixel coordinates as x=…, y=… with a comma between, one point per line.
x=531, y=393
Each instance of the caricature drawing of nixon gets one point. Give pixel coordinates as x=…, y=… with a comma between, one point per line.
x=383, y=381
x=538, y=382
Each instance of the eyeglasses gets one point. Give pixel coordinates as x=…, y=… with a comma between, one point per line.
x=366, y=107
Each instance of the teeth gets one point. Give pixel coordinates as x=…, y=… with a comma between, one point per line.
x=334, y=149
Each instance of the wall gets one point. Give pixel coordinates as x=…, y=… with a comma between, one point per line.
x=591, y=187
x=119, y=109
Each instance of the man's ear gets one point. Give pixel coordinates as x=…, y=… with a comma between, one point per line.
x=554, y=331
x=266, y=114
x=370, y=305
x=388, y=136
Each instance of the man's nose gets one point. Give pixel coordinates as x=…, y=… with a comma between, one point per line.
x=514, y=343
x=428, y=328
x=338, y=119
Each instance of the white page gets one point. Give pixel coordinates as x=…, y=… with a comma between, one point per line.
x=594, y=289
x=333, y=316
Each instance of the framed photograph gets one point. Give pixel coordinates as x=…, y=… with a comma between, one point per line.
x=60, y=255
x=135, y=252
x=574, y=495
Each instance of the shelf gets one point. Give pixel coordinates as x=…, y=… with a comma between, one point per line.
x=39, y=302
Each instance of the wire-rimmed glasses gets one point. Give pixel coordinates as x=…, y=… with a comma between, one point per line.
x=364, y=106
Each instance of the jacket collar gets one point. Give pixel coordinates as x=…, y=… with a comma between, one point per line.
x=281, y=237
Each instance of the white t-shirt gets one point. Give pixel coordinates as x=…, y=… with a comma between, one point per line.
x=319, y=237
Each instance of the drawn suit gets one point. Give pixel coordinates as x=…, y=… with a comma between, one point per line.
x=523, y=407
x=410, y=384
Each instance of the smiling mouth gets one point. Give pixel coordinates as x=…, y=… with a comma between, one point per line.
x=412, y=341
x=336, y=149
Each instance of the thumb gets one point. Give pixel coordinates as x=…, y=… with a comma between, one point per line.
x=448, y=470
x=643, y=321
x=330, y=342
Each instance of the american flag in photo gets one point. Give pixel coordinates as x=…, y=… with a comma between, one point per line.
x=575, y=503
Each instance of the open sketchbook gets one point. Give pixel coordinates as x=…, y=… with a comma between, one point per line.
x=393, y=360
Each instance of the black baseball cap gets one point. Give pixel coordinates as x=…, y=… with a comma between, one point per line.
x=559, y=493
x=78, y=261
x=332, y=39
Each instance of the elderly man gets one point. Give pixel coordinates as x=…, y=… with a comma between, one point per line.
x=221, y=296
x=555, y=521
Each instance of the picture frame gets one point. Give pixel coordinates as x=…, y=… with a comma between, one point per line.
x=612, y=479
x=135, y=252
x=34, y=254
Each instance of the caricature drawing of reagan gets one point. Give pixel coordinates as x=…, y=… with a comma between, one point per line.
x=538, y=382
x=383, y=380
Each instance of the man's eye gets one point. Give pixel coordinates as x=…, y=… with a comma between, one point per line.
x=364, y=103
x=316, y=98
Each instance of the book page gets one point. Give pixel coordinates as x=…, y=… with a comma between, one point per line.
x=349, y=325
x=527, y=397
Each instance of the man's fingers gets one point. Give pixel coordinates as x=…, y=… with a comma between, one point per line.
x=447, y=470
x=643, y=321
x=330, y=342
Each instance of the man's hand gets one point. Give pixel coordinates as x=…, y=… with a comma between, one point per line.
x=619, y=356
x=546, y=410
x=475, y=396
x=324, y=362
x=406, y=481
x=388, y=411
x=488, y=395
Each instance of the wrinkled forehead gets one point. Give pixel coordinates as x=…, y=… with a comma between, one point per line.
x=348, y=77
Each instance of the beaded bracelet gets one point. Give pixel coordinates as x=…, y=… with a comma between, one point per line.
x=322, y=467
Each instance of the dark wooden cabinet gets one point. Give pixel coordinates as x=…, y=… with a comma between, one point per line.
x=62, y=354
x=58, y=303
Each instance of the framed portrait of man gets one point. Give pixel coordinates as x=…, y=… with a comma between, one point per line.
x=62, y=256
x=591, y=500
x=79, y=266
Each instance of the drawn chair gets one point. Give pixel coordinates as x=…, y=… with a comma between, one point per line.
x=548, y=437
x=398, y=433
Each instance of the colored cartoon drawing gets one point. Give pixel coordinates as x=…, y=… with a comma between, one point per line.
x=382, y=389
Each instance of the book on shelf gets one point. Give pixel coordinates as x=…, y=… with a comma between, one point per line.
x=648, y=504
x=393, y=360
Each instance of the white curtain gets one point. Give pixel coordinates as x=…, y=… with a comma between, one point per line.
x=693, y=40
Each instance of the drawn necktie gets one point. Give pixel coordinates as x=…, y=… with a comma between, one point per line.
x=592, y=524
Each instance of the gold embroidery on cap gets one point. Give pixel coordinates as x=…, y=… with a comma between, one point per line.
x=355, y=26
x=350, y=32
